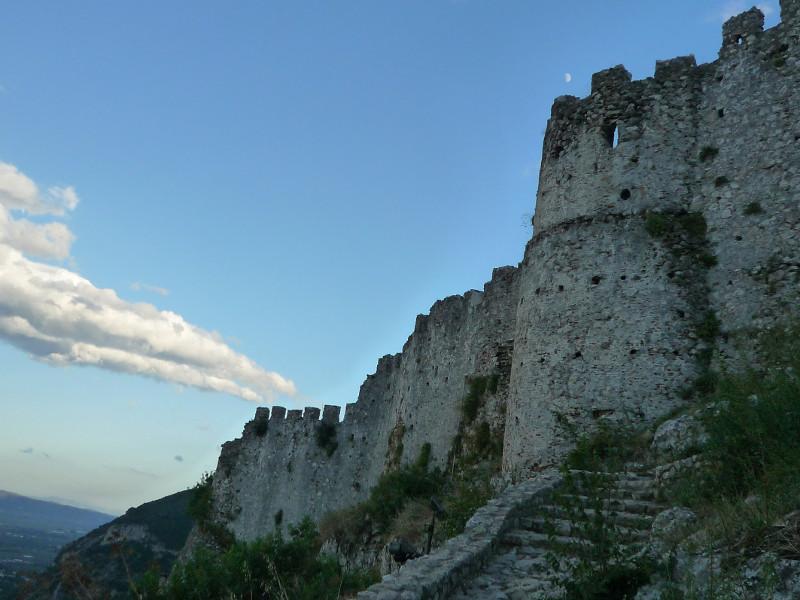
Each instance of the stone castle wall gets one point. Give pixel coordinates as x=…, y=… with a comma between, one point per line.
x=601, y=319
x=608, y=325
x=413, y=398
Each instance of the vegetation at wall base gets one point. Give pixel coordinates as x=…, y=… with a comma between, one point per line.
x=400, y=503
x=608, y=448
x=270, y=568
x=750, y=476
x=607, y=568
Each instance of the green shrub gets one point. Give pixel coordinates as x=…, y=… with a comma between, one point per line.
x=694, y=224
x=706, y=383
x=606, y=568
x=752, y=450
x=272, y=567
x=494, y=381
x=708, y=260
x=477, y=387
x=754, y=208
x=386, y=500
x=656, y=224
x=753, y=437
x=466, y=494
x=608, y=448
x=200, y=502
x=326, y=437
x=708, y=329
x=708, y=153
x=483, y=438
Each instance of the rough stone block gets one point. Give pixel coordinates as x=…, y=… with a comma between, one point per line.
x=330, y=413
x=611, y=80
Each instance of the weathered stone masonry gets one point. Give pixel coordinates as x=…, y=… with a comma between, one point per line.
x=278, y=465
x=600, y=319
x=604, y=328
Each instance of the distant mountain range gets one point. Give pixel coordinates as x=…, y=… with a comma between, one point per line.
x=33, y=531
x=42, y=514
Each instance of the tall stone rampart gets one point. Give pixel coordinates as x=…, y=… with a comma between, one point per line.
x=609, y=320
x=667, y=229
x=283, y=468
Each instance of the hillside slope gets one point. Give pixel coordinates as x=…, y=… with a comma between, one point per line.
x=108, y=558
x=33, y=531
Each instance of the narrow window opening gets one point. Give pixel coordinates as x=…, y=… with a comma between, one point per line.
x=611, y=134
x=739, y=40
x=721, y=112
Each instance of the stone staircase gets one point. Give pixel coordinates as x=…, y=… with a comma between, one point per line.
x=566, y=526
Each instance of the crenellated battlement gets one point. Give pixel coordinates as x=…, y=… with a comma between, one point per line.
x=674, y=69
x=611, y=82
x=591, y=160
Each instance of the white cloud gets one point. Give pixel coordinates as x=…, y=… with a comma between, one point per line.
x=568, y=77
x=44, y=240
x=138, y=286
x=19, y=192
x=61, y=318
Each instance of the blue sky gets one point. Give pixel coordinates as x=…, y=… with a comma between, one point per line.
x=301, y=177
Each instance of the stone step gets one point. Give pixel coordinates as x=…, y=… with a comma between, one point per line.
x=532, y=588
x=629, y=505
x=625, y=519
x=521, y=538
x=617, y=475
x=567, y=527
x=622, y=493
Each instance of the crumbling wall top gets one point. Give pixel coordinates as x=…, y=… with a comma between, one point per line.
x=610, y=80
x=674, y=68
x=736, y=30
